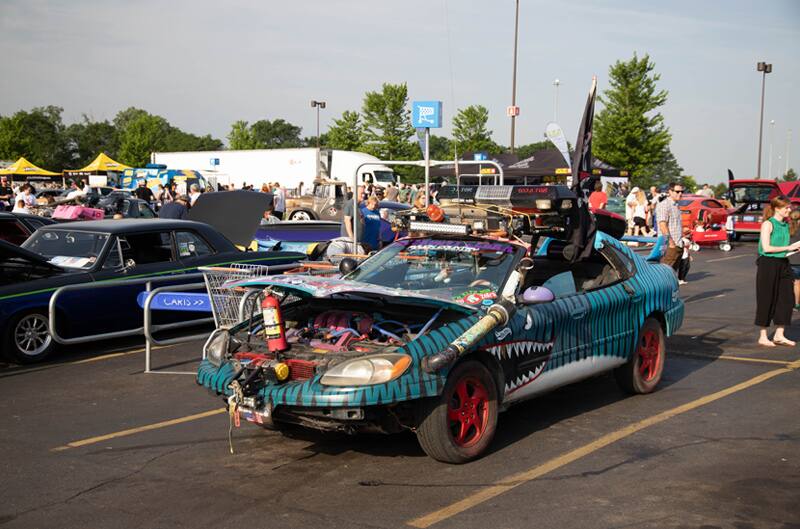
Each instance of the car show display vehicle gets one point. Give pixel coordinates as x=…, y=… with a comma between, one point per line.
x=95, y=251
x=16, y=227
x=499, y=296
x=699, y=208
x=748, y=198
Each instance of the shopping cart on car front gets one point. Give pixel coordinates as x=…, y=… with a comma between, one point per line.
x=227, y=301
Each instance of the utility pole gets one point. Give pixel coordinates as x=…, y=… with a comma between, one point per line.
x=764, y=68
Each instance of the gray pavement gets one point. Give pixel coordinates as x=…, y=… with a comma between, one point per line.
x=731, y=462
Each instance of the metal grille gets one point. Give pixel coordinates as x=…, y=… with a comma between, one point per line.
x=225, y=301
x=493, y=193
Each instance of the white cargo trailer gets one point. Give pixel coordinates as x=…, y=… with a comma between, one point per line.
x=288, y=167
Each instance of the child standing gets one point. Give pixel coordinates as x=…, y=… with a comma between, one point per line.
x=683, y=264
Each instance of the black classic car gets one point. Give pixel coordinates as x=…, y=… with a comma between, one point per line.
x=93, y=251
x=16, y=227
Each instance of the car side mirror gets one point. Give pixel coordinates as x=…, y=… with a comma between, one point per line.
x=347, y=265
x=534, y=295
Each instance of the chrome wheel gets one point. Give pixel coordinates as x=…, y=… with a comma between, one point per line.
x=300, y=215
x=32, y=335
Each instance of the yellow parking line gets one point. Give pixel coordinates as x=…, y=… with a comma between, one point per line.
x=131, y=431
x=521, y=478
x=738, y=358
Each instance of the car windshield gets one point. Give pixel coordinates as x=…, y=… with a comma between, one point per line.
x=687, y=202
x=68, y=249
x=754, y=193
x=465, y=271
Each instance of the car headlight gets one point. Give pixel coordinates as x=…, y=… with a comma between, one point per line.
x=367, y=370
x=219, y=345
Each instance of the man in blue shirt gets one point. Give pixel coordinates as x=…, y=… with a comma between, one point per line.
x=372, y=224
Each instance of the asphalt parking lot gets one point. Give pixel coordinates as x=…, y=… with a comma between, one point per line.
x=88, y=440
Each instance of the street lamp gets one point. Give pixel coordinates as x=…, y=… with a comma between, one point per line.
x=317, y=105
x=555, y=101
x=771, y=136
x=513, y=111
x=764, y=68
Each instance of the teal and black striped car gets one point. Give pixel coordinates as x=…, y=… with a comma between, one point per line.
x=440, y=333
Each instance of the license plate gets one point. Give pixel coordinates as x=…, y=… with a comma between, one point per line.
x=749, y=218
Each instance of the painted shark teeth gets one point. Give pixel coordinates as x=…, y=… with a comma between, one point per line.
x=520, y=349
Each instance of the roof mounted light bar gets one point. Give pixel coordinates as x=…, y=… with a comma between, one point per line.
x=439, y=227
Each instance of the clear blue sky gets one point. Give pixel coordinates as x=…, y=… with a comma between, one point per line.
x=203, y=65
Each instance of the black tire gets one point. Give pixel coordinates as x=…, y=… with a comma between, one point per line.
x=642, y=372
x=459, y=425
x=27, y=339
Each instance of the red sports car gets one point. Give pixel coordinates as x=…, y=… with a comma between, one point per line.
x=697, y=207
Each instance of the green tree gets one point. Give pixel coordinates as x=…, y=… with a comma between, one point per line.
x=664, y=171
x=275, y=134
x=387, y=123
x=179, y=141
x=528, y=150
x=441, y=148
x=38, y=135
x=470, y=132
x=124, y=117
x=88, y=138
x=629, y=133
x=720, y=190
x=240, y=138
x=347, y=132
x=790, y=175
x=142, y=135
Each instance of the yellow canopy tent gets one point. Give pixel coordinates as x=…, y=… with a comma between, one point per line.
x=101, y=165
x=22, y=169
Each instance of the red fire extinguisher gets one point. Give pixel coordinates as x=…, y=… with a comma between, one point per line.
x=273, y=324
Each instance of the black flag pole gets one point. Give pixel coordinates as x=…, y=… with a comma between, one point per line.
x=582, y=238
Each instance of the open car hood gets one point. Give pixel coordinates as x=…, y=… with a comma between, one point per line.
x=235, y=214
x=10, y=251
x=306, y=286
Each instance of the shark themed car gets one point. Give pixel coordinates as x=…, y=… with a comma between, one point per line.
x=440, y=331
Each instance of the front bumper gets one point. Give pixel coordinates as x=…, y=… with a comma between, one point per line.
x=414, y=384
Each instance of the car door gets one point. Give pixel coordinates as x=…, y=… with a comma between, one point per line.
x=542, y=350
x=615, y=305
x=134, y=255
x=194, y=250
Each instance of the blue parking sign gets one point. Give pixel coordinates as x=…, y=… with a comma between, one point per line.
x=426, y=114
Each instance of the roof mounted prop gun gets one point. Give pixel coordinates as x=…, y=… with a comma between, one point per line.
x=498, y=314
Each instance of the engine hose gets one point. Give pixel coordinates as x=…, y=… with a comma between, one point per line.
x=342, y=331
x=387, y=333
x=498, y=314
x=430, y=322
x=400, y=323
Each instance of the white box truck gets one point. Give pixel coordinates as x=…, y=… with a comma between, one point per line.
x=288, y=167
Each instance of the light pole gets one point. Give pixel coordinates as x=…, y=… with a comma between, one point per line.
x=771, y=136
x=556, y=83
x=317, y=105
x=786, y=156
x=513, y=111
x=764, y=68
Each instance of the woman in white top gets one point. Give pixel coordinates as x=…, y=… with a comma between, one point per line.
x=20, y=206
x=640, y=214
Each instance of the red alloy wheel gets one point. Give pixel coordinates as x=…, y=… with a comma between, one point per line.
x=650, y=356
x=468, y=411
